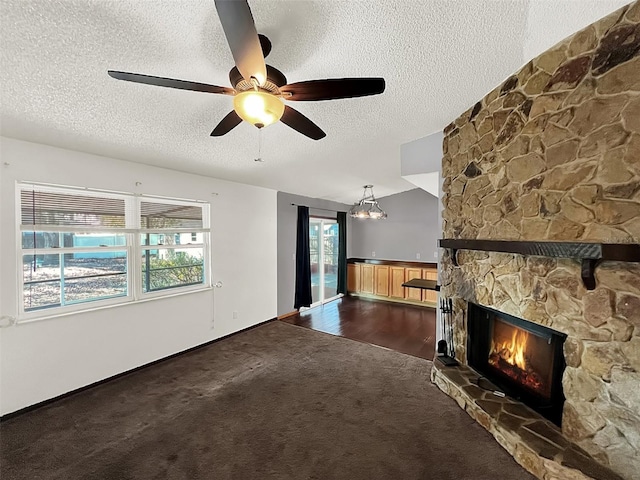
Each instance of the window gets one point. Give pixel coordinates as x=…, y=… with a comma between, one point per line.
x=176, y=260
x=80, y=248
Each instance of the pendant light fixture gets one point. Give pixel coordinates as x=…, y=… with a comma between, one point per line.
x=368, y=206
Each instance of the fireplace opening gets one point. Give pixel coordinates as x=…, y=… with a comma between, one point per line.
x=523, y=359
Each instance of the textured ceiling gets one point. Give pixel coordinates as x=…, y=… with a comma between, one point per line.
x=438, y=57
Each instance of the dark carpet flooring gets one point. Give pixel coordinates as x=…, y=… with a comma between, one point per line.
x=274, y=402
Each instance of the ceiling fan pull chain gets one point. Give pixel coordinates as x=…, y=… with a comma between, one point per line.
x=259, y=159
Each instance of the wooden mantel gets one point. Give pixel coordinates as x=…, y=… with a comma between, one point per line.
x=589, y=253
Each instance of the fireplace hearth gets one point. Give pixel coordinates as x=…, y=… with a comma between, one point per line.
x=523, y=359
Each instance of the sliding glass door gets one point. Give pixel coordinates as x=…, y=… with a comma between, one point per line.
x=323, y=246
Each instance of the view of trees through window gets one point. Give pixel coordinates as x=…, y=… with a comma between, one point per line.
x=172, y=265
x=172, y=268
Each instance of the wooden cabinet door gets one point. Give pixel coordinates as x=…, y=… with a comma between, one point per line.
x=366, y=278
x=412, y=293
x=382, y=280
x=430, y=296
x=353, y=277
x=397, y=279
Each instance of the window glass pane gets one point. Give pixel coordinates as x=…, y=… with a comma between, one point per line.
x=41, y=295
x=156, y=239
x=40, y=267
x=314, y=257
x=90, y=276
x=164, y=268
x=330, y=244
x=40, y=239
x=167, y=215
x=41, y=281
x=171, y=238
x=95, y=240
x=52, y=240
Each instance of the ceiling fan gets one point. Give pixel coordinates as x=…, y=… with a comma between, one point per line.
x=258, y=89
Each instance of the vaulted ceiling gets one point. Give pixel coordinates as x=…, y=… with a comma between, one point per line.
x=438, y=57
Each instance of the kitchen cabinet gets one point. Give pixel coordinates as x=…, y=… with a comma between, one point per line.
x=383, y=279
x=414, y=294
x=381, y=273
x=353, y=277
x=396, y=279
x=366, y=278
x=430, y=296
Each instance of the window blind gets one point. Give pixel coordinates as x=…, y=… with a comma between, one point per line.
x=158, y=215
x=42, y=207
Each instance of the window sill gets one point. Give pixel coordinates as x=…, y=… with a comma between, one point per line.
x=32, y=318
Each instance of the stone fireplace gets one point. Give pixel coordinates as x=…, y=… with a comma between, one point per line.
x=553, y=154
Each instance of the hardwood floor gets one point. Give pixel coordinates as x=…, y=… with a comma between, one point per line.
x=404, y=328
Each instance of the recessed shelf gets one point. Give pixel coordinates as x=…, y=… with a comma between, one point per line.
x=589, y=253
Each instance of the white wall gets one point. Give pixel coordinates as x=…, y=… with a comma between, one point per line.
x=2, y=262
x=46, y=358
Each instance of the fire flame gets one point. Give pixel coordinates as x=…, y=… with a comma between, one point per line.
x=510, y=355
x=512, y=351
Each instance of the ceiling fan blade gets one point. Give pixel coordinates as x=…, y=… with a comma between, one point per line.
x=333, y=88
x=242, y=37
x=228, y=123
x=302, y=124
x=170, y=82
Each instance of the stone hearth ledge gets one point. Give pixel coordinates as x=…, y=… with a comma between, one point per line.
x=535, y=443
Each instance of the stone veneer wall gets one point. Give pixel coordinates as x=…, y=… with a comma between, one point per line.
x=554, y=154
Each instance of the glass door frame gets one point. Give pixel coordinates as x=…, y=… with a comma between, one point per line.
x=322, y=221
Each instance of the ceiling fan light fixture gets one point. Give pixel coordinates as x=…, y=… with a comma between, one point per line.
x=258, y=108
x=368, y=206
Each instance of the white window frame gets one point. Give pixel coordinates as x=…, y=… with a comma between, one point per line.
x=133, y=247
x=205, y=246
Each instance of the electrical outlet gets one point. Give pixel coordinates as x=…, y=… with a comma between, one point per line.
x=435, y=254
x=373, y=254
x=417, y=256
x=235, y=315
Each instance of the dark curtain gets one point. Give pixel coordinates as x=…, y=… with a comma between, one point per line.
x=342, y=252
x=303, y=261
